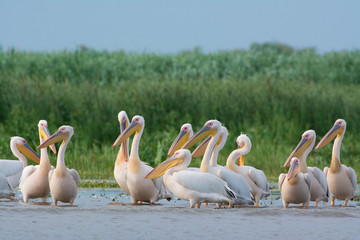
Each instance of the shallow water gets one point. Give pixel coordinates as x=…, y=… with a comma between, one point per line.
x=107, y=213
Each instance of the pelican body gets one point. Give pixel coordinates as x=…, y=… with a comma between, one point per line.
x=319, y=187
x=12, y=169
x=295, y=186
x=218, y=135
x=34, y=182
x=340, y=178
x=193, y=186
x=255, y=178
x=141, y=189
x=122, y=158
x=63, y=182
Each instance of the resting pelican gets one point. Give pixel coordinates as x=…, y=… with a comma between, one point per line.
x=235, y=181
x=34, y=182
x=319, y=188
x=255, y=178
x=121, y=163
x=63, y=182
x=12, y=169
x=296, y=187
x=195, y=187
x=340, y=178
x=141, y=189
x=186, y=132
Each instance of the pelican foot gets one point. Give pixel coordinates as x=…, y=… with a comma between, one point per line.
x=198, y=205
x=345, y=203
x=332, y=202
x=11, y=198
x=316, y=203
x=256, y=204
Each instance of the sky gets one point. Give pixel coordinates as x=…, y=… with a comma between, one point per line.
x=170, y=26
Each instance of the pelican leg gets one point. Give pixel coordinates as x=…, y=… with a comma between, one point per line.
x=256, y=204
x=44, y=199
x=332, y=201
x=302, y=204
x=198, y=205
x=25, y=198
x=345, y=203
x=306, y=205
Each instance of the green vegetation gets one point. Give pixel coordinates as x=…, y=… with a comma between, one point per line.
x=271, y=92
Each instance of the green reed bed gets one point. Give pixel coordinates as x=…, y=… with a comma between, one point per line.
x=271, y=92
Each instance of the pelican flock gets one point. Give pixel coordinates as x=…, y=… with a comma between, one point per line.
x=233, y=184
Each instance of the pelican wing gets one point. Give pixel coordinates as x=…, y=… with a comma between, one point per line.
x=307, y=179
x=27, y=171
x=235, y=182
x=320, y=176
x=352, y=175
x=76, y=176
x=202, y=182
x=10, y=167
x=259, y=178
x=281, y=180
x=5, y=187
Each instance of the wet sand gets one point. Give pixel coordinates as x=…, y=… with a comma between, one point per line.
x=107, y=213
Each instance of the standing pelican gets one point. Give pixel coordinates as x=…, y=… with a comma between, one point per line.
x=256, y=178
x=34, y=182
x=121, y=163
x=340, y=178
x=63, y=182
x=319, y=188
x=295, y=186
x=195, y=187
x=140, y=189
x=235, y=181
x=12, y=169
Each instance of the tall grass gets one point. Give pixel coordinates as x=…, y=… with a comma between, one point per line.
x=271, y=92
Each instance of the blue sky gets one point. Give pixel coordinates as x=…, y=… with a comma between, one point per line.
x=170, y=26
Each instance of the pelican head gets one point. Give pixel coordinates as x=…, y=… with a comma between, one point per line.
x=20, y=145
x=294, y=168
x=136, y=125
x=337, y=130
x=124, y=122
x=186, y=132
x=307, y=142
x=64, y=133
x=180, y=156
x=243, y=141
x=200, y=150
x=45, y=134
x=211, y=127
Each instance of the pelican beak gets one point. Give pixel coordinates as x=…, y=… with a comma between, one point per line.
x=28, y=152
x=124, y=124
x=133, y=127
x=241, y=161
x=162, y=167
x=293, y=170
x=330, y=135
x=56, y=137
x=178, y=142
x=299, y=150
x=45, y=134
x=200, y=150
x=203, y=132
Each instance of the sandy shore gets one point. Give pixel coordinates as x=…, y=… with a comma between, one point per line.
x=106, y=213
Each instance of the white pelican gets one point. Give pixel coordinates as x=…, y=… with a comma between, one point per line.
x=235, y=181
x=63, y=182
x=121, y=163
x=319, y=188
x=256, y=178
x=340, y=178
x=145, y=190
x=193, y=186
x=186, y=132
x=295, y=186
x=12, y=169
x=34, y=182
